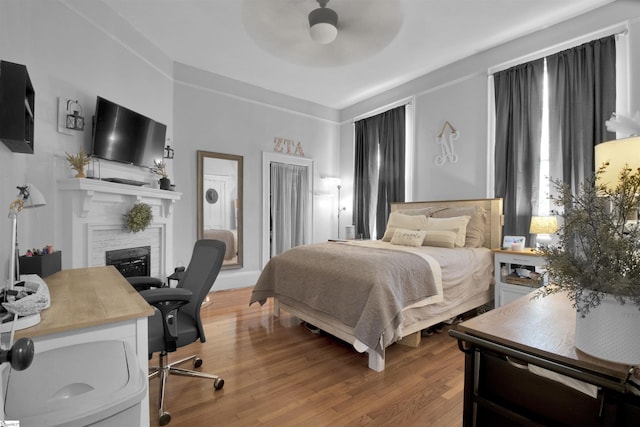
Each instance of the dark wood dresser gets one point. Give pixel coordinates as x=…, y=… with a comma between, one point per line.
x=512, y=356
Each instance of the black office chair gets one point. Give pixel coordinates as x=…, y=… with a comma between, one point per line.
x=176, y=322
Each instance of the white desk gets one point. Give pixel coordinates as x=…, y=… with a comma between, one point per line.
x=93, y=304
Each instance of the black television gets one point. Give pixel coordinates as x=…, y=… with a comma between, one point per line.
x=122, y=135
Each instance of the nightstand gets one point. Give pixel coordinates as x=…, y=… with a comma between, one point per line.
x=509, y=284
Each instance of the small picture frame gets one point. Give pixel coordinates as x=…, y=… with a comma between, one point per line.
x=513, y=242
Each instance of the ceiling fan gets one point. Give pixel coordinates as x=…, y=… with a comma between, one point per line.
x=308, y=32
x=323, y=23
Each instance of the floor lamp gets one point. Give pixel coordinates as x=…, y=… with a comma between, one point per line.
x=340, y=209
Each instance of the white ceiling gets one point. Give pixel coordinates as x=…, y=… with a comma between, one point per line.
x=265, y=42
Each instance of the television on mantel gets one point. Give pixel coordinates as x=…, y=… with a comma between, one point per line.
x=122, y=135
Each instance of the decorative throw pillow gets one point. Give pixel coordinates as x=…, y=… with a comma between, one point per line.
x=475, y=229
x=413, y=238
x=458, y=222
x=440, y=238
x=407, y=222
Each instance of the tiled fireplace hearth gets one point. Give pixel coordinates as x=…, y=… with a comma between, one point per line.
x=93, y=223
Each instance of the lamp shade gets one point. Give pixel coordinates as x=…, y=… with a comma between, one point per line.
x=323, y=25
x=618, y=153
x=32, y=198
x=543, y=225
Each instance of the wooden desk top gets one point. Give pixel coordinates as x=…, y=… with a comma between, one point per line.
x=85, y=297
x=543, y=327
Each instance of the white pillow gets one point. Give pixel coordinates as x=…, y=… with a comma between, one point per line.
x=407, y=222
x=440, y=238
x=413, y=238
x=453, y=223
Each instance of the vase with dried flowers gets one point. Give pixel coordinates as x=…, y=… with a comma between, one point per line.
x=597, y=263
x=160, y=168
x=78, y=162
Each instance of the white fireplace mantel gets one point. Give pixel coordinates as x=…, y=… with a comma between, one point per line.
x=93, y=222
x=87, y=189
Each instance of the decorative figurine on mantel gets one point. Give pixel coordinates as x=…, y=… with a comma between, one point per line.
x=78, y=162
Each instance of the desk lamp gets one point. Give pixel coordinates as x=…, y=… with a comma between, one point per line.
x=28, y=197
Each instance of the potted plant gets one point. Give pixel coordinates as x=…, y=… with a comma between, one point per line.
x=160, y=168
x=139, y=217
x=78, y=162
x=597, y=263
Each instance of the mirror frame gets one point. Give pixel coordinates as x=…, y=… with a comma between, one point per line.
x=202, y=155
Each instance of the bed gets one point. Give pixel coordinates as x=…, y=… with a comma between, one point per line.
x=427, y=269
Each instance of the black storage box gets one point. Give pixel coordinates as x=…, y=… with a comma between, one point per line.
x=42, y=265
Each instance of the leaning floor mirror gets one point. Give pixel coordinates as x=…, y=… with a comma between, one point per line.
x=220, y=203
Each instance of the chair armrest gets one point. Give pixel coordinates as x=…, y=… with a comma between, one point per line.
x=141, y=283
x=168, y=301
x=160, y=295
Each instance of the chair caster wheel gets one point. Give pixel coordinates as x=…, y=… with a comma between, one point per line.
x=197, y=362
x=218, y=383
x=165, y=418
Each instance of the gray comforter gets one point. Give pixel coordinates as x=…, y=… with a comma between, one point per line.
x=365, y=288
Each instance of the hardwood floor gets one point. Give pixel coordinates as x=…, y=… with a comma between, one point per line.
x=277, y=373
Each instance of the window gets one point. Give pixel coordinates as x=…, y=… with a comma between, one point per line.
x=549, y=115
x=379, y=170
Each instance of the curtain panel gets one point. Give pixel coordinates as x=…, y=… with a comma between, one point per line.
x=365, y=175
x=518, y=100
x=582, y=97
x=392, y=165
x=289, y=204
x=379, y=169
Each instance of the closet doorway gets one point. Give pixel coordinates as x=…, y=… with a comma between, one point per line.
x=287, y=203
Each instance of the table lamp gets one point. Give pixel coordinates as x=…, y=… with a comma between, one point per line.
x=543, y=227
x=619, y=153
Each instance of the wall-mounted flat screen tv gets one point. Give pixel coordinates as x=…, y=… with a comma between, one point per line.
x=122, y=135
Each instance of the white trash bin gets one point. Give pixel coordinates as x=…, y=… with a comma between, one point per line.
x=98, y=384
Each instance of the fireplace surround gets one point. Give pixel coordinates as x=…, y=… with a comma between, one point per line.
x=93, y=212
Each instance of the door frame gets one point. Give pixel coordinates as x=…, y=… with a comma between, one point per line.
x=267, y=159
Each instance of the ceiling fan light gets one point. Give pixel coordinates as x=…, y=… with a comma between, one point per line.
x=323, y=24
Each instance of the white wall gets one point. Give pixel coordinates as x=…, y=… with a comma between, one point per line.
x=458, y=93
x=78, y=49
x=68, y=56
x=208, y=118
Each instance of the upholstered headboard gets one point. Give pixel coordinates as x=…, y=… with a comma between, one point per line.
x=493, y=220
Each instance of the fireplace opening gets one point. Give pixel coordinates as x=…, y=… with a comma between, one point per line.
x=132, y=261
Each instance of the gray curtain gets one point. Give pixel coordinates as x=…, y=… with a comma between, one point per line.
x=365, y=175
x=392, y=162
x=375, y=187
x=289, y=206
x=518, y=100
x=582, y=96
